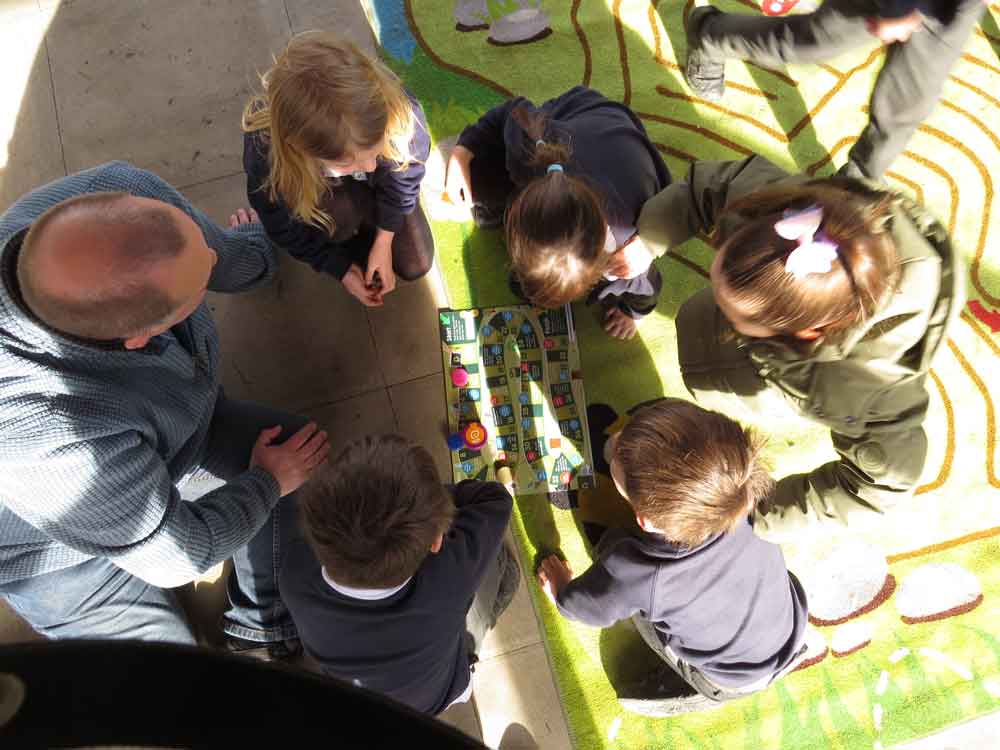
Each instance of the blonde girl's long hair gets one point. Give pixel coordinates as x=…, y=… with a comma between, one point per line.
x=325, y=99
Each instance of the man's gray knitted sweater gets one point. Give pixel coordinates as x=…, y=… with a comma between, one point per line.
x=95, y=438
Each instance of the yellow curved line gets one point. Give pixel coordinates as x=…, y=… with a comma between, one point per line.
x=949, y=451
x=990, y=414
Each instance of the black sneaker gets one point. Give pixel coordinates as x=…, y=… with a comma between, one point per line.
x=705, y=76
x=272, y=651
x=663, y=693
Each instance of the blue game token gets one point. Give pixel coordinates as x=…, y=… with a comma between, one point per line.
x=507, y=315
x=467, y=467
x=574, y=424
x=486, y=330
x=541, y=475
x=524, y=398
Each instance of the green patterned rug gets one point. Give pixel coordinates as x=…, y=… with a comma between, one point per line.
x=911, y=675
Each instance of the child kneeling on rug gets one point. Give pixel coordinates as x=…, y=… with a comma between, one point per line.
x=714, y=601
x=568, y=180
x=402, y=576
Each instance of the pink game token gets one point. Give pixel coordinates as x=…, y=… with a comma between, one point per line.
x=459, y=377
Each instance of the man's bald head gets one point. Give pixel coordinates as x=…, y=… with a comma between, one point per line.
x=98, y=266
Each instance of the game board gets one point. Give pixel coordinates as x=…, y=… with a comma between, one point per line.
x=525, y=389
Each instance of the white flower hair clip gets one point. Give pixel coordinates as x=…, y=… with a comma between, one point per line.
x=815, y=253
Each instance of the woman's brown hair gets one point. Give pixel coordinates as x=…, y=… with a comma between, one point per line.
x=556, y=225
x=693, y=473
x=865, y=270
x=325, y=99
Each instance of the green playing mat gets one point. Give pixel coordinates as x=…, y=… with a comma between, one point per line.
x=930, y=650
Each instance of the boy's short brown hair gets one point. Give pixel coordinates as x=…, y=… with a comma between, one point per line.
x=693, y=473
x=373, y=513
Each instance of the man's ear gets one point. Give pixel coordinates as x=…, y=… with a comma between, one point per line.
x=646, y=525
x=436, y=546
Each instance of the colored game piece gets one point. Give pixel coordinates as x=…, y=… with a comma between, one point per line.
x=459, y=377
x=494, y=400
x=455, y=442
x=474, y=436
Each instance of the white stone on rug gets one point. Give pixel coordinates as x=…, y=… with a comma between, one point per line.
x=850, y=637
x=845, y=582
x=937, y=590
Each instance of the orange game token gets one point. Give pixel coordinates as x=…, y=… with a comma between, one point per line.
x=474, y=436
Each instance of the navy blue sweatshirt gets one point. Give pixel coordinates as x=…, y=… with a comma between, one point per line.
x=396, y=195
x=729, y=607
x=609, y=147
x=411, y=645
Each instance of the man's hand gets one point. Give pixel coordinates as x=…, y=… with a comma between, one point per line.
x=553, y=574
x=354, y=282
x=292, y=462
x=458, y=178
x=889, y=30
x=243, y=216
x=631, y=260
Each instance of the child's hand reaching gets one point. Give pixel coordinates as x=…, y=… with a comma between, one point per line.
x=354, y=282
x=553, y=574
x=630, y=260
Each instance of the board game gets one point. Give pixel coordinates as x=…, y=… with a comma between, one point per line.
x=515, y=397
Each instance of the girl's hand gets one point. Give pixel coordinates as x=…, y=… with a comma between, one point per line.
x=553, y=574
x=354, y=282
x=380, y=263
x=619, y=325
x=458, y=177
x=243, y=216
x=630, y=260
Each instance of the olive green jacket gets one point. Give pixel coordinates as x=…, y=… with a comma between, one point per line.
x=868, y=386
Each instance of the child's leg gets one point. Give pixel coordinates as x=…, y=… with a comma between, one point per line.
x=493, y=596
x=492, y=189
x=413, y=247
x=348, y=204
x=909, y=85
x=717, y=372
x=836, y=26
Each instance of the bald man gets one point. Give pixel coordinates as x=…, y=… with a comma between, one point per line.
x=110, y=402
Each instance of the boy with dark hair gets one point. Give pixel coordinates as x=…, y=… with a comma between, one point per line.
x=714, y=601
x=402, y=576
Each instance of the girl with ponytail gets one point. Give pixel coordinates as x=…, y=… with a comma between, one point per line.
x=567, y=181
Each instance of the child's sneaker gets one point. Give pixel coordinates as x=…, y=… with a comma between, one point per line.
x=704, y=75
x=663, y=693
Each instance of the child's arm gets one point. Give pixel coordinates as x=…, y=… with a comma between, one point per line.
x=595, y=598
x=877, y=469
x=474, y=540
x=303, y=241
x=486, y=134
x=398, y=190
x=684, y=209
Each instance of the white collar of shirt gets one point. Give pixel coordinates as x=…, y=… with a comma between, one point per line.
x=369, y=595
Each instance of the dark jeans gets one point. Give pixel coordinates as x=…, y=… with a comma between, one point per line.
x=97, y=599
x=493, y=191
x=907, y=88
x=493, y=596
x=351, y=204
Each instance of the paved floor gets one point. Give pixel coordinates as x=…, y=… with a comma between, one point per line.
x=162, y=84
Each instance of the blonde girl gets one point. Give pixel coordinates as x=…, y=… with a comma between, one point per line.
x=333, y=151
